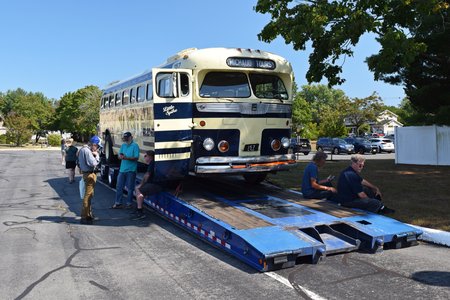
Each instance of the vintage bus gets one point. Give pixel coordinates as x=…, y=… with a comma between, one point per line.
x=205, y=111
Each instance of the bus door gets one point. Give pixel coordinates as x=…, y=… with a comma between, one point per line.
x=172, y=107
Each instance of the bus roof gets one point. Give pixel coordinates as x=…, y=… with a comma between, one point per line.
x=208, y=58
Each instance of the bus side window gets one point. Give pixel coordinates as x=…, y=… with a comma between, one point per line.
x=112, y=103
x=149, y=91
x=140, y=93
x=125, y=97
x=119, y=99
x=184, y=82
x=132, y=95
x=110, y=100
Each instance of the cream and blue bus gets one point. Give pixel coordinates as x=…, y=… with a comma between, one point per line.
x=215, y=111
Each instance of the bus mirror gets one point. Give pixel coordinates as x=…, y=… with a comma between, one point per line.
x=174, y=85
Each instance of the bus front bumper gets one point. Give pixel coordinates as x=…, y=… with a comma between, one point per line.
x=241, y=165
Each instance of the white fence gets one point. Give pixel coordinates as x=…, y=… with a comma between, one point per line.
x=422, y=145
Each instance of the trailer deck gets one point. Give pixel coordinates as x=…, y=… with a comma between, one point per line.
x=271, y=228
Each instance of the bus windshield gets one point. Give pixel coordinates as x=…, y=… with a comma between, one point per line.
x=268, y=86
x=235, y=85
x=225, y=84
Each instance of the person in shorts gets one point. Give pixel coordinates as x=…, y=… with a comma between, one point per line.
x=71, y=159
x=147, y=186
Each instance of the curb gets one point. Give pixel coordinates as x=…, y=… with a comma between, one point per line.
x=434, y=236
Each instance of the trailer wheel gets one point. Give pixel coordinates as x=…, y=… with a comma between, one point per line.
x=255, y=178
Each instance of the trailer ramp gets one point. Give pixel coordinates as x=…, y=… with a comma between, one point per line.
x=271, y=228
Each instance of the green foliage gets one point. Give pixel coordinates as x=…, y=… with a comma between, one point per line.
x=78, y=112
x=19, y=129
x=3, y=139
x=34, y=107
x=54, y=140
x=363, y=110
x=414, y=37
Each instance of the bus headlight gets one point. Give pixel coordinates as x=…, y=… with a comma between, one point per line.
x=285, y=142
x=223, y=146
x=208, y=144
x=275, y=144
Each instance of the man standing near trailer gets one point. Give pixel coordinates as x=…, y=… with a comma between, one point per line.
x=129, y=155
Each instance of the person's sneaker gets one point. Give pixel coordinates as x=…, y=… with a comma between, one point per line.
x=138, y=216
x=386, y=210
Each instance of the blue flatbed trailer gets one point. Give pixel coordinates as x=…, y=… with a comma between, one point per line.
x=271, y=228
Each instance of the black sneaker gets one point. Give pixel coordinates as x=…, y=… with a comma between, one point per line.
x=139, y=216
x=386, y=210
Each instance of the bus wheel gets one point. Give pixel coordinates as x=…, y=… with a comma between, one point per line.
x=255, y=178
x=109, y=154
x=112, y=177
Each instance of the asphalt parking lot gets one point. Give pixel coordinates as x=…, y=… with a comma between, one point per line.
x=46, y=253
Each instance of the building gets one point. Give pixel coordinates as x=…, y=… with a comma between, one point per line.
x=385, y=123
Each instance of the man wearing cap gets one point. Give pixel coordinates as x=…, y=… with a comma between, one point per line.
x=88, y=159
x=129, y=155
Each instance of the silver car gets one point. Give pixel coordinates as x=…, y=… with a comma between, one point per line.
x=383, y=144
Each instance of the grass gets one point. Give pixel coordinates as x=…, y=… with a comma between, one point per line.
x=419, y=194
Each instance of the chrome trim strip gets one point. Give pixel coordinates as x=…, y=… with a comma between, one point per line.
x=244, y=108
x=243, y=160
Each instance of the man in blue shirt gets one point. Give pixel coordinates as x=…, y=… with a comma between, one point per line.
x=129, y=155
x=356, y=192
x=312, y=187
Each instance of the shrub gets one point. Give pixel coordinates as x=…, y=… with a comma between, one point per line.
x=54, y=140
x=3, y=139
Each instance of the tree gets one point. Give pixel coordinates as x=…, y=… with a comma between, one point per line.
x=34, y=107
x=19, y=128
x=319, y=110
x=414, y=36
x=78, y=112
x=319, y=97
x=363, y=110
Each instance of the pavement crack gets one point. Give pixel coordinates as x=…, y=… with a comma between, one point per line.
x=67, y=264
x=102, y=287
x=26, y=228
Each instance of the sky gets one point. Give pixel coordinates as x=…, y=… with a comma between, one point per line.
x=60, y=46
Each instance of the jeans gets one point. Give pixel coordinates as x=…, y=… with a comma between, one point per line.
x=372, y=203
x=128, y=178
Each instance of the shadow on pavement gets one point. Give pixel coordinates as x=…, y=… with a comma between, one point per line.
x=101, y=203
x=436, y=278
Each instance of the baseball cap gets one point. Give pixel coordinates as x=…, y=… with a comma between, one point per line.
x=126, y=135
x=95, y=140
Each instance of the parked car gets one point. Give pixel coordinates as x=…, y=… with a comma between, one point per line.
x=391, y=137
x=299, y=145
x=383, y=144
x=334, y=145
x=362, y=145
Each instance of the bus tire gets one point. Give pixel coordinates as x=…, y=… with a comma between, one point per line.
x=112, y=177
x=255, y=178
x=108, y=149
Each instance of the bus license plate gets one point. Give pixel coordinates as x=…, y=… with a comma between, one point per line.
x=251, y=147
